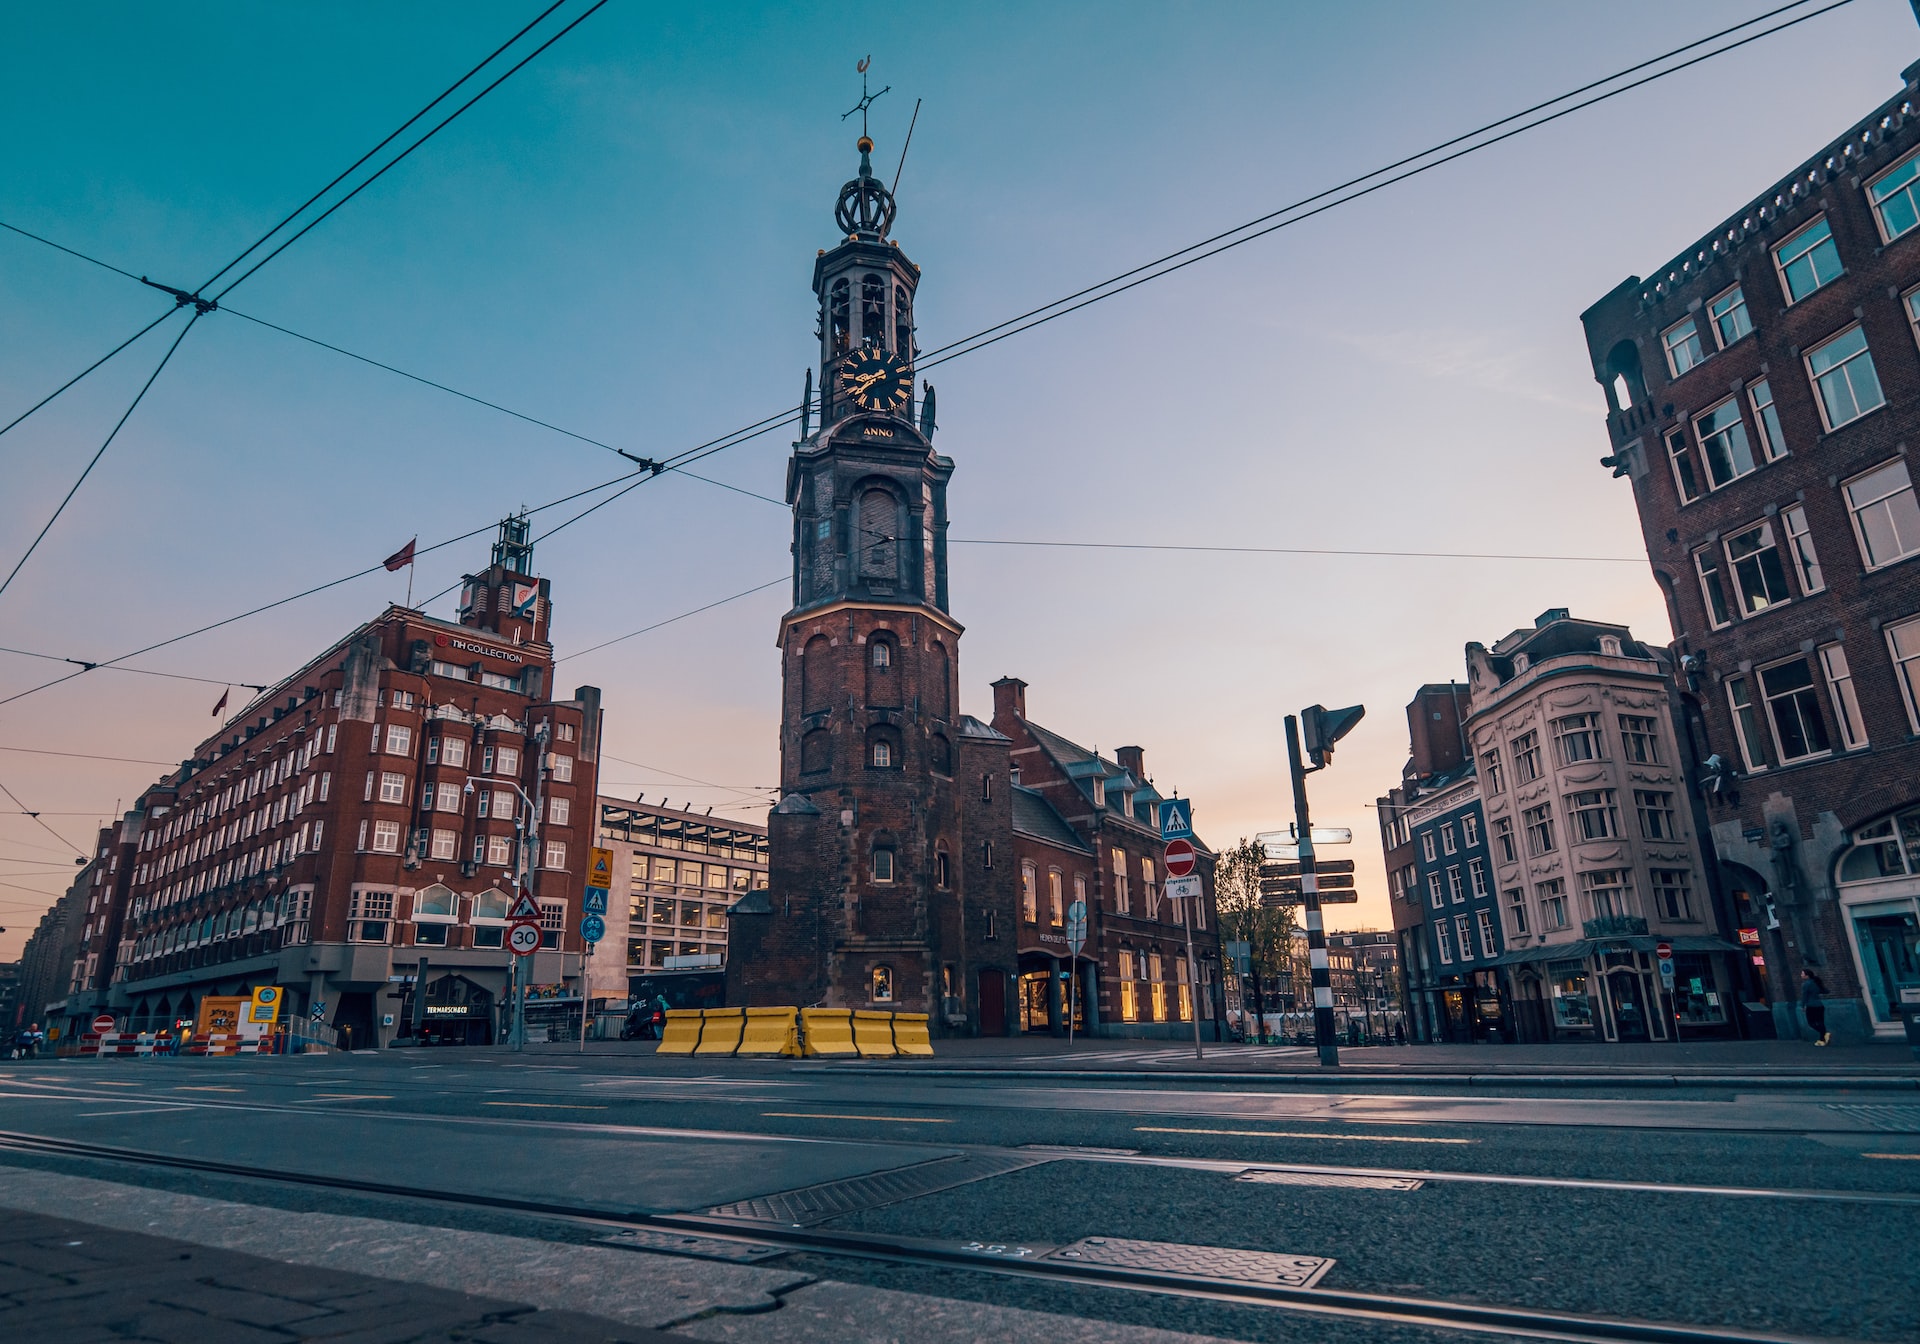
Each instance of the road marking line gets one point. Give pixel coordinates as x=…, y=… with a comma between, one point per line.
x=144, y=1110
x=1295, y=1134
x=820, y=1115
x=184, y=1087
x=545, y=1105
x=1895, y=1157
x=349, y=1096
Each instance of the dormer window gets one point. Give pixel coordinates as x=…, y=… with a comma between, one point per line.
x=1519, y=663
x=1609, y=646
x=1099, y=791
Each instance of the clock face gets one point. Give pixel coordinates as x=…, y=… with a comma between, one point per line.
x=875, y=380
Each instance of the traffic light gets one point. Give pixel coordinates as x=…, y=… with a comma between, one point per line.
x=1321, y=727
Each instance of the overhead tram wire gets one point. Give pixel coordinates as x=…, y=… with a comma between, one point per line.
x=29, y=812
x=255, y=246
x=973, y=342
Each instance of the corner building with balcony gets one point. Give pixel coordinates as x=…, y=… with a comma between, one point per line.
x=1763, y=394
x=890, y=866
x=1592, y=839
x=368, y=819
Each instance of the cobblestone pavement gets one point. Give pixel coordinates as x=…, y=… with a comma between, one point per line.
x=65, y=1282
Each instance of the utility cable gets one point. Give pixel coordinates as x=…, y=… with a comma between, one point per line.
x=1291, y=550
x=86, y=756
x=608, y=643
x=95, y=459
x=91, y=367
x=27, y=811
x=86, y=666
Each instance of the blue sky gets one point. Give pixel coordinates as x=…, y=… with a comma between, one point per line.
x=619, y=240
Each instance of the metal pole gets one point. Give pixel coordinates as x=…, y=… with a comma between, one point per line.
x=1310, y=905
x=528, y=851
x=585, y=957
x=1193, y=975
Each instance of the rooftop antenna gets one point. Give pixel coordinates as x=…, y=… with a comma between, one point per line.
x=866, y=100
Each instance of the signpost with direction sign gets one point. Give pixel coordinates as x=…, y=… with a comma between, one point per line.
x=1076, y=939
x=1176, y=829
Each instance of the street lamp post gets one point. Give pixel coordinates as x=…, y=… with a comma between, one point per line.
x=528, y=828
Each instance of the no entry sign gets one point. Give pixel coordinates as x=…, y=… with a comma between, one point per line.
x=1179, y=857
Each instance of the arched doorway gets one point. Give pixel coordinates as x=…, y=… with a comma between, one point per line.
x=1629, y=1005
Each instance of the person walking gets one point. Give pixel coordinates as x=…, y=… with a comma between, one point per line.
x=1813, y=1005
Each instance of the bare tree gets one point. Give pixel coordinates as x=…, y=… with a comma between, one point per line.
x=1248, y=917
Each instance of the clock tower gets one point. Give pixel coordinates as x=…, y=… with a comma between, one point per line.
x=891, y=880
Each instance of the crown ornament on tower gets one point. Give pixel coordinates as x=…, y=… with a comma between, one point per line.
x=865, y=208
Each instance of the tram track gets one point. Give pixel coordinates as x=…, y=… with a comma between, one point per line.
x=1030, y=1261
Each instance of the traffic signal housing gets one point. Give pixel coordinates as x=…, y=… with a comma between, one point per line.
x=1321, y=727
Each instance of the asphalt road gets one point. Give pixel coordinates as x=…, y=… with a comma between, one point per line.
x=1790, y=1212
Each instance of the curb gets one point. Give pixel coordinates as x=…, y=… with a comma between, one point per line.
x=1341, y=1078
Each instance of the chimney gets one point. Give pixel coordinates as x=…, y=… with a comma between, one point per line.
x=1009, y=699
x=1132, y=761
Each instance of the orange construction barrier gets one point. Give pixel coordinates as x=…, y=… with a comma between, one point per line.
x=682, y=1033
x=873, y=1034
x=720, y=1033
x=827, y=1031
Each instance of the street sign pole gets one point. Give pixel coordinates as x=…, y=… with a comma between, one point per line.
x=1193, y=973
x=1176, y=829
x=1310, y=905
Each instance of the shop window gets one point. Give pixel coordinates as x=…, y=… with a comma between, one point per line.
x=1572, y=1008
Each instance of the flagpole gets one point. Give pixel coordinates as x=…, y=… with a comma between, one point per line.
x=409, y=585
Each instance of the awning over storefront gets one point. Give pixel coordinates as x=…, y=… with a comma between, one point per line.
x=1582, y=948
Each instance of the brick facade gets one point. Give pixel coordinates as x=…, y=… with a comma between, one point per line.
x=1749, y=464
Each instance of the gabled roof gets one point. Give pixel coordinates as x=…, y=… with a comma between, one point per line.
x=1033, y=815
x=1083, y=766
x=972, y=727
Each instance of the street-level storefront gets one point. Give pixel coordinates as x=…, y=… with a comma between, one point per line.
x=1879, y=885
x=457, y=1011
x=1610, y=990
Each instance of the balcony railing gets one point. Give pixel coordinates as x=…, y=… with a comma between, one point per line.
x=1614, y=926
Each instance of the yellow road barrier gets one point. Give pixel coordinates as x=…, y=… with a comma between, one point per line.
x=682, y=1033
x=827, y=1031
x=873, y=1034
x=771, y=1031
x=910, y=1034
x=720, y=1035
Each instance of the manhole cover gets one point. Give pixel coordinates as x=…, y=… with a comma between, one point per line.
x=1882, y=1116
x=1197, y=1262
x=817, y=1203
x=681, y=1243
x=1330, y=1179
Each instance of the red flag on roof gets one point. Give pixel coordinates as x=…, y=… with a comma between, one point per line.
x=401, y=558
x=221, y=703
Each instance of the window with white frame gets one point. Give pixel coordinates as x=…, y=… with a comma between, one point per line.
x=506, y=805
x=1886, y=518
x=399, y=740
x=1766, y=420
x=402, y=699
x=1713, y=587
x=1469, y=830
x=1539, y=824
x=558, y=809
x=446, y=797
x=1681, y=341
x=1680, y=457
x=1029, y=892
x=1443, y=940
x=1639, y=739
x=1896, y=206
x=369, y=916
x=506, y=760
x=553, y=922
x=1608, y=892
x=446, y=844
x=1455, y=885
x=1594, y=815
x=1655, y=807
x=1793, y=708
x=1807, y=260
x=1806, y=562
x=1517, y=912
x=562, y=768
x=499, y=850
x=1490, y=773
x=1428, y=846
x=1122, y=901
x=1503, y=840
x=1435, y=896
x=1729, y=316
x=1844, y=381
x=1840, y=691
x=1553, y=904
x=1477, y=876
x=453, y=751
x=1485, y=918
x=1577, y=737
x=1723, y=443
x=1911, y=300
x=1672, y=893
x=1150, y=887
x=393, y=787
x=1755, y=749
x=1525, y=750
x=1903, y=642
x=1759, y=575
x=1462, y=926
x=556, y=854
x=386, y=837
x=1449, y=843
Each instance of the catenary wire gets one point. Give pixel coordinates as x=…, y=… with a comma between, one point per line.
x=86, y=756
x=94, y=461
x=305, y=229
x=96, y=363
x=962, y=346
x=29, y=812
x=140, y=671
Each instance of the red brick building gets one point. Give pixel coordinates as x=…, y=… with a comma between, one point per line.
x=365, y=817
x=1763, y=392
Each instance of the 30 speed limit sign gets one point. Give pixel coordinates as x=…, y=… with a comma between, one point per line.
x=524, y=939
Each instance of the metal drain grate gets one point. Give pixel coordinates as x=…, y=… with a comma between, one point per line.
x=1330, y=1179
x=702, y=1248
x=1883, y=1116
x=833, y=1199
x=1198, y=1262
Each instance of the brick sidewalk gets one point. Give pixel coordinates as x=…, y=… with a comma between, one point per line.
x=64, y=1282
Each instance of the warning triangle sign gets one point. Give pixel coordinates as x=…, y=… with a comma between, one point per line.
x=524, y=908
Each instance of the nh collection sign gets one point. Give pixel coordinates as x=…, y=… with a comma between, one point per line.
x=468, y=646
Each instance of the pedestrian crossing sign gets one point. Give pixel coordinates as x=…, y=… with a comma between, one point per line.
x=596, y=902
x=1176, y=819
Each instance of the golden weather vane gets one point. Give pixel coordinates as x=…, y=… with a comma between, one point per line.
x=866, y=99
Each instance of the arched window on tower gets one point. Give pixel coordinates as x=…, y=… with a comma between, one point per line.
x=883, y=680
x=840, y=317
x=873, y=312
x=815, y=693
x=1626, y=387
x=902, y=326
x=883, y=748
x=879, y=521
